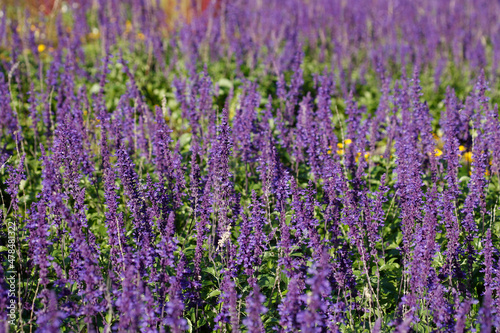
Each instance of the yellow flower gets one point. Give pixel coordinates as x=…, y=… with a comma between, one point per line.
x=367, y=155
x=340, y=151
x=468, y=156
x=487, y=173
x=340, y=145
x=94, y=35
x=329, y=152
x=128, y=26
x=41, y=48
x=357, y=157
x=438, y=152
x=348, y=141
x=461, y=148
x=232, y=111
x=141, y=36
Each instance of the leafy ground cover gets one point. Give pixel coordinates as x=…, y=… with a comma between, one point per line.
x=312, y=166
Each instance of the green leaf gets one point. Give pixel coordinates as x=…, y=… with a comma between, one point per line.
x=190, y=325
x=225, y=83
x=184, y=139
x=213, y=293
x=109, y=317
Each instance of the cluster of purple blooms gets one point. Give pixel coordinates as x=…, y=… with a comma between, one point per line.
x=279, y=200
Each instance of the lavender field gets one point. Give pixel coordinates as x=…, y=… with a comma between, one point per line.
x=250, y=166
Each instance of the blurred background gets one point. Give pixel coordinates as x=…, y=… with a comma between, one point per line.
x=174, y=9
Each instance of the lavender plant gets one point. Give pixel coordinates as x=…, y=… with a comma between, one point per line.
x=249, y=166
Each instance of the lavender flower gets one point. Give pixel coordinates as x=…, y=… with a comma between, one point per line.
x=175, y=305
x=252, y=238
x=137, y=205
x=8, y=118
x=128, y=301
x=313, y=318
x=51, y=318
x=292, y=304
x=255, y=308
x=114, y=219
x=229, y=298
x=38, y=239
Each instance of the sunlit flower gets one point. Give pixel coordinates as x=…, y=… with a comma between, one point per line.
x=340, y=145
x=438, y=152
x=461, y=148
x=348, y=141
x=41, y=48
x=95, y=34
x=128, y=26
x=468, y=156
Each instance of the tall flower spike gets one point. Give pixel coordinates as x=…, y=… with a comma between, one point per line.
x=374, y=217
x=200, y=214
x=142, y=227
x=354, y=115
x=486, y=313
x=450, y=122
x=477, y=185
x=168, y=243
x=244, y=123
x=488, y=261
x=51, y=318
x=255, y=309
x=422, y=120
x=4, y=292
x=229, y=299
x=313, y=318
x=128, y=300
x=291, y=305
x=326, y=86
x=220, y=175
x=16, y=175
x=408, y=170
x=175, y=305
x=461, y=316
x=252, y=238
x=8, y=119
x=38, y=240
x=114, y=219
x=493, y=134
